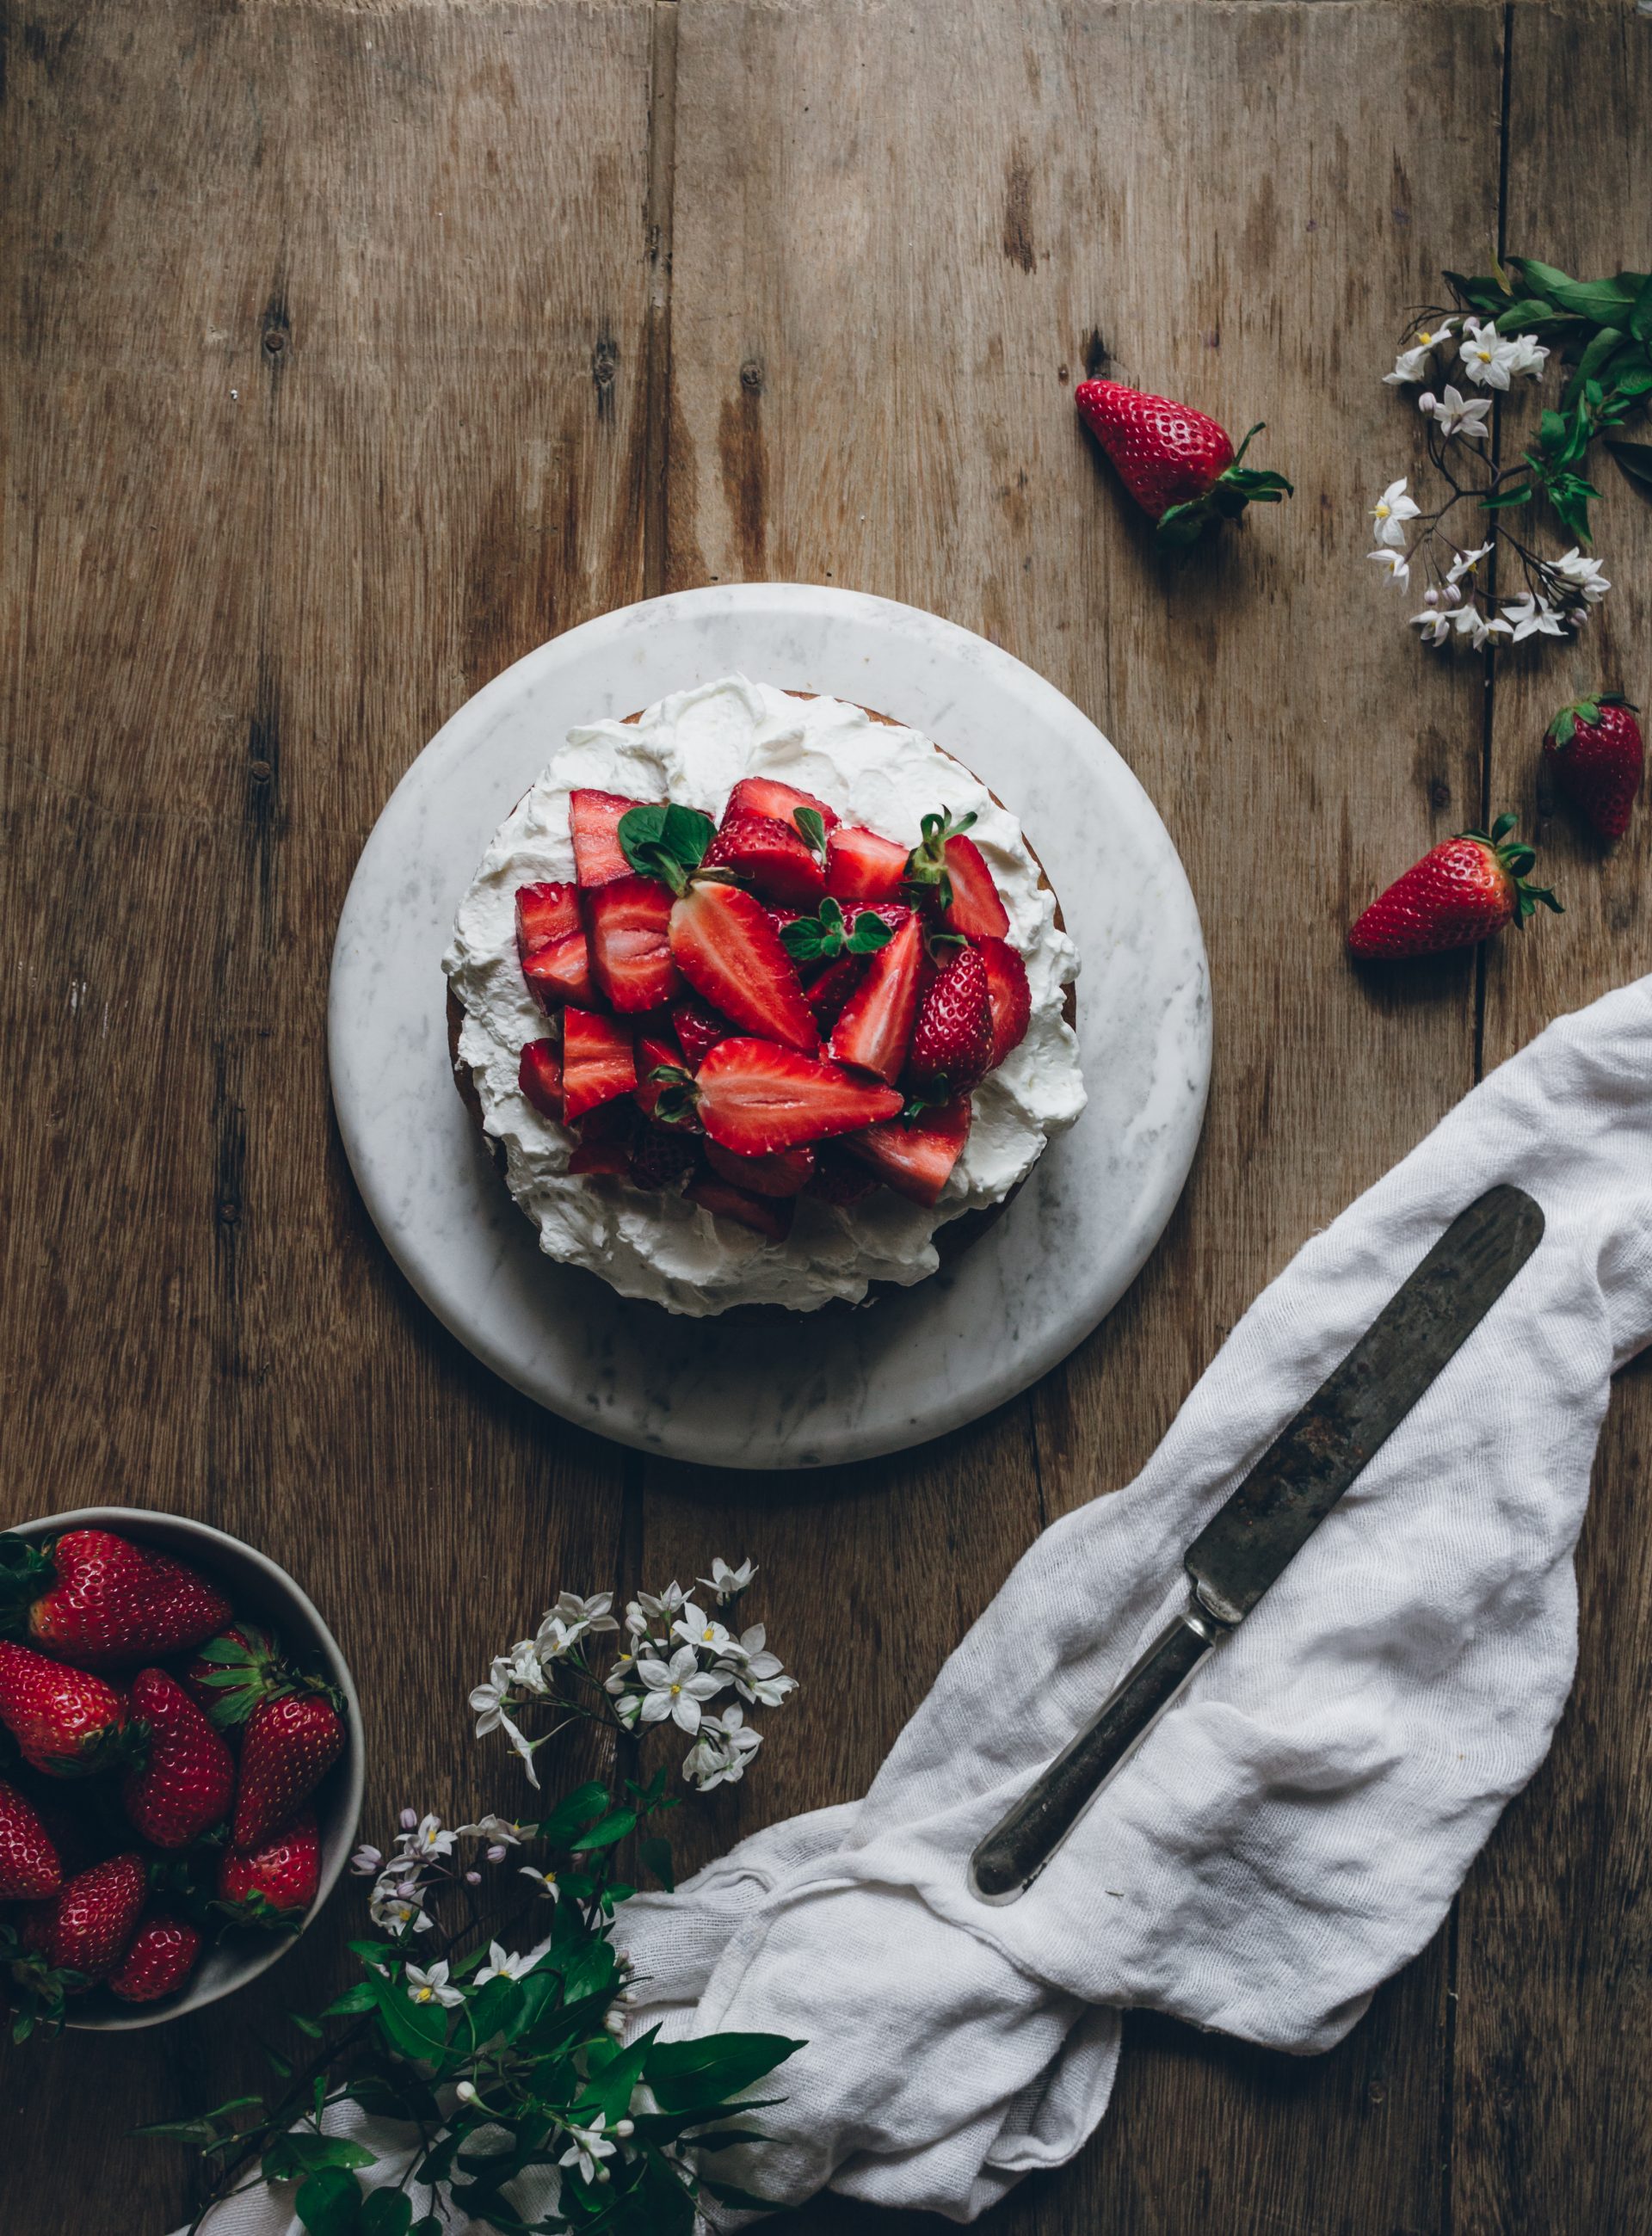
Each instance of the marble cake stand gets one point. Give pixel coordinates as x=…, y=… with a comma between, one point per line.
x=813, y=1389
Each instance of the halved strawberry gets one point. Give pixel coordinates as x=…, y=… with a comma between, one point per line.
x=877, y=1020
x=594, y=826
x=976, y=910
x=731, y=954
x=597, y=1061
x=655, y=1050
x=766, y=795
x=783, y=1171
x=699, y=1029
x=558, y=971
x=626, y=921
x=953, y=1039
x=776, y=861
x=755, y=1097
x=544, y=912
x=916, y=1160
x=539, y=1075
x=861, y=866
x=1008, y=992
x=831, y=985
x=767, y=1214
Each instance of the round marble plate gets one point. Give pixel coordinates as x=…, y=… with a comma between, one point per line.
x=819, y=1388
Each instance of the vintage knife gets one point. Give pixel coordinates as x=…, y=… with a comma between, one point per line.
x=1268, y=1519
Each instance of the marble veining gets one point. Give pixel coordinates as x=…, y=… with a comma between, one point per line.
x=811, y=1390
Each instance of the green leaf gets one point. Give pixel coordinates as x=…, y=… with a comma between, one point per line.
x=1500, y=498
x=417, y=2030
x=713, y=2068
x=1636, y=460
x=605, y=1834
x=1602, y=301
x=361, y=1997
x=1589, y=364
x=1640, y=318
x=386, y=2212
x=656, y=1855
x=329, y=2203
x=574, y=1812
x=301, y=2151
x=812, y=823
x=1635, y=381
x=869, y=933
x=609, y=2092
x=306, y=2025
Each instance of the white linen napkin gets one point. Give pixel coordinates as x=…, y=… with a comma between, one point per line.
x=1294, y=1829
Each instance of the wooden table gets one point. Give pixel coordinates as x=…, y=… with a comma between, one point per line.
x=351, y=350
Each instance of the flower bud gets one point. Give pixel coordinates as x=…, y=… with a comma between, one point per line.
x=410, y=1820
x=623, y=2128
x=466, y=2092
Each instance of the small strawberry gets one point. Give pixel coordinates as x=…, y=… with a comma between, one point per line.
x=775, y=860
x=185, y=1786
x=766, y=795
x=626, y=921
x=87, y=1929
x=916, y=1155
x=950, y=872
x=594, y=826
x=66, y=1722
x=765, y=1214
x=291, y=1743
x=163, y=1954
x=30, y=1866
x=1461, y=891
x=598, y=1064
x=1010, y=995
x=97, y=1600
x=273, y=1881
x=539, y=1075
x=782, y=1173
x=1177, y=463
x=953, y=1039
x=755, y=1097
x=1595, y=750
x=875, y=1023
x=861, y=866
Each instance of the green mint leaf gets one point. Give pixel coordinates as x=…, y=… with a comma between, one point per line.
x=329, y=2203
x=641, y=830
x=812, y=823
x=871, y=933
x=685, y=835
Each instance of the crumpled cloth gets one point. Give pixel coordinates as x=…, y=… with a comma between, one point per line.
x=1294, y=1829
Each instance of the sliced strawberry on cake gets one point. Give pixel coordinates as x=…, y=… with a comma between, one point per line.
x=755, y=1097
x=772, y=858
x=594, y=826
x=766, y=795
x=765, y=1214
x=783, y=1171
x=949, y=871
x=916, y=1157
x=539, y=1075
x=629, y=923
x=875, y=1025
x=550, y=941
x=1009, y=995
x=730, y=953
x=861, y=866
x=699, y=1029
x=598, y=1062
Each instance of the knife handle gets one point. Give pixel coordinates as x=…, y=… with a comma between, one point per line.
x=1023, y=1841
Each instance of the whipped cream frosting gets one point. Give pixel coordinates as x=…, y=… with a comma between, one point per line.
x=693, y=748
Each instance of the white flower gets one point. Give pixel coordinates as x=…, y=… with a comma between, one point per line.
x=502, y=1966
x=488, y=1700
x=1457, y=417
x=724, y=1748
x=432, y=1987
x=628, y=1707
x=698, y=1631
x=366, y=1861
x=726, y=1584
x=663, y=1607
x=1466, y=562
x=1530, y=616
x=544, y=1882
x=1435, y=624
x=676, y=1688
x=760, y=1675
x=524, y=1665
x=586, y=2146
x=466, y=2092
x=1410, y=364
x=1527, y=355
x=430, y=1841
x=1390, y=512
x=1484, y=356
x=1398, y=567
x=1581, y=574
x=393, y=1913
x=1473, y=624
x=494, y=1828
x=578, y=1615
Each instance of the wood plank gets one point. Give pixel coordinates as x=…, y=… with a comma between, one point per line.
x=902, y=232
x=1554, y=2022
x=325, y=345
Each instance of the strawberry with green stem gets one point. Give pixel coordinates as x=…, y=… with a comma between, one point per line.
x=1178, y=464
x=273, y=1881
x=67, y=1945
x=97, y=1599
x=1461, y=891
x=1594, y=750
x=68, y=1722
x=949, y=871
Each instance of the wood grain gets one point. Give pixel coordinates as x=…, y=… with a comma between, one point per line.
x=350, y=350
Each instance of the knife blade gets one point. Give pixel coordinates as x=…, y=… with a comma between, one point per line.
x=1265, y=1524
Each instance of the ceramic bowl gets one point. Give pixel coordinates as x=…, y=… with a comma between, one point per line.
x=258, y=1588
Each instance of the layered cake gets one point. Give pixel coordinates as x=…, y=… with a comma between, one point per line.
x=755, y=994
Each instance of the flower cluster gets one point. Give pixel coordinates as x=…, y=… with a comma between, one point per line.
x=674, y=1659
x=423, y=1857
x=1460, y=362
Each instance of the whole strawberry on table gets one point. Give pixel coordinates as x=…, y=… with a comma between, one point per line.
x=1178, y=464
x=1461, y=891
x=1595, y=751
x=160, y=1752
x=782, y=1005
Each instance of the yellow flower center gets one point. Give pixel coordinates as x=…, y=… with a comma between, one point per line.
x=1381, y=512
x=423, y=1994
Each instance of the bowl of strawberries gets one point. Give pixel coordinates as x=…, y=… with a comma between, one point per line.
x=180, y=1767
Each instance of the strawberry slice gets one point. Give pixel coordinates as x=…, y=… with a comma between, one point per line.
x=539, y=1075
x=953, y=1040
x=783, y=1171
x=776, y=861
x=766, y=795
x=699, y=1029
x=558, y=973
x=1009, y=995
x=602, y=1160
x=755, y=1097
x=628, y=921
x=861, y=866
x=594, y=826
x=876, y=1024
x=597, y=1061
x=976, y=910
x=731, y=954
x=916, y=1160
x=655, y=1048
x=767, y=1213
x=545, y=912
x=832, y=987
